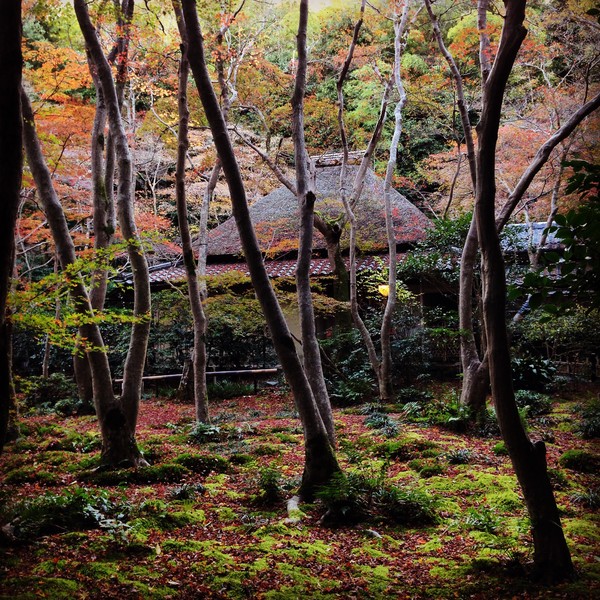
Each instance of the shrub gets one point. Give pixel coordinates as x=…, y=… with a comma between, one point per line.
x=346, y=498
x=580, y=460
x=384, y=423
x=406, y=449
x=413, y=395
x=461, y=456
x=269, y=485
x=205, y=432
x=482, y=520
x=558, y=479
x=589, y=498
x=487, y=423
x=406, y=507
x=536, y=403
x=162, y=473
x=203, y=464
x=589, y=427
x=532, y=372
x=56, y=392
x=356, y=496
x=426, y=468
x=224, y=390
x=351, y=381
x=500, y=449
x=186, y=491
x=75, y=509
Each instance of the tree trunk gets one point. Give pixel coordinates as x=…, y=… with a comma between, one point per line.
x=349, y=200
x=13, y=430
x=306, y=202
x=552, y=560
x=136, y=354
x=320, y=459
x=104, y=223
x=11, y=169
x=475, y=384
x=199, y=318
x=386, y=323
x=118, y=442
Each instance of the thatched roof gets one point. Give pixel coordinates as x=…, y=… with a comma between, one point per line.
x=275, y=218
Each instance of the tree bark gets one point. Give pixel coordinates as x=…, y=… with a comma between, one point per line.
x=381, y=366
x=320, y=460
x=136, y=355
x=118, y=442
x=306, y=201
x=104, y=228
x=194, y=292
x=349, y=199
x=552, y=560
x=11, y=168
x=475, y=384
x=385, y=377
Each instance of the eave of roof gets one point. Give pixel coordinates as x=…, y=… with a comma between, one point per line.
x=275, y=268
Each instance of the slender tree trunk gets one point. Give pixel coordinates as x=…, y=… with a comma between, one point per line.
x=104, y=228
x=199, y=318
x=136, y=355
x=475, y=384
x=386, y=324
x=332, y=233
x=118, y=442
x=349, y=199
x=11, y=167
x=320, y=460
x=552, y=560
x=13, y=430
x=382, y=367
x=306, y=201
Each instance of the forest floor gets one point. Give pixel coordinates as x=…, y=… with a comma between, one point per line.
x=209, y=518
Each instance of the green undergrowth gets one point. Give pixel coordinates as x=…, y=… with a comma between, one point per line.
x=419, y=512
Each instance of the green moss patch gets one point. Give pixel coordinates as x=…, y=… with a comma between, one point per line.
x=580, y=460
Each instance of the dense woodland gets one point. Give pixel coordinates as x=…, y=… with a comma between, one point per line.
x=433, y=432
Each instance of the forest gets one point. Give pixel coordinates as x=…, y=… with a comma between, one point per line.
x=299, y=299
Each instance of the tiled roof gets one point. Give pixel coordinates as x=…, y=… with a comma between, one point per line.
x=275, y=268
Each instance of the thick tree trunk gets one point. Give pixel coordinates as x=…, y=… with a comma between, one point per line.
x=306, y=201
x=194, y=292
x=118, y=443
x=320, y=459
x=136, y=355
x=552, y=560
x=11, y=167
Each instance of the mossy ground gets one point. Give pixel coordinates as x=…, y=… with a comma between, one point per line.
x=196, y=524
